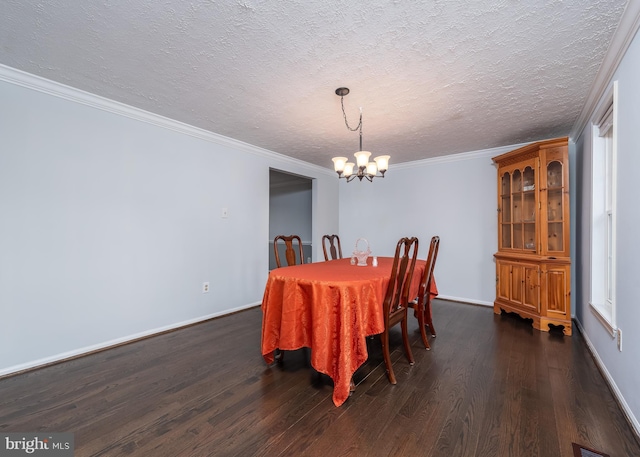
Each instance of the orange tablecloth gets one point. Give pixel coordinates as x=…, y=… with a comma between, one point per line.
x=330, y=307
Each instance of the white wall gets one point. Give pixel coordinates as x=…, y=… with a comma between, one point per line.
x=453, y=197
x=110, y=221
x=621, y=367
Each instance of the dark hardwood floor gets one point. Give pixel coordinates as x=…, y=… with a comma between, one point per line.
x=490, y=386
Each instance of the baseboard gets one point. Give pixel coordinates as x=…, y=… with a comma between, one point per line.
x=631, y=418
x=465, y=300
x=81, y=352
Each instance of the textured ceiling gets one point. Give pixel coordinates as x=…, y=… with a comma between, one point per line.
x=433, y=77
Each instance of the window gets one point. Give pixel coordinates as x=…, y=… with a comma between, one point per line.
x=603, y=211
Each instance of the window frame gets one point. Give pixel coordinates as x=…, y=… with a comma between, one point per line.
x=603, y=210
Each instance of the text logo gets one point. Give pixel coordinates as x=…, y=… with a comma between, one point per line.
x=36, y=444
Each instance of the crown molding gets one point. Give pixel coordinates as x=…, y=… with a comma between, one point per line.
x=622, y=38
x=46, y=86
x=37, y=83
x=480, y=154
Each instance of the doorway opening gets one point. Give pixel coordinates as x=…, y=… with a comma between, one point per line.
x=290, y=211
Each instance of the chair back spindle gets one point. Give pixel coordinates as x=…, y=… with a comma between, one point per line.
x=290, y=252
x=333, y=243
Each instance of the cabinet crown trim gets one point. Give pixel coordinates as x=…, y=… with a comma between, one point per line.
x=530, y=150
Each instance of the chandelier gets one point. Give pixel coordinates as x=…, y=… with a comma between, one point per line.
x=366, y=169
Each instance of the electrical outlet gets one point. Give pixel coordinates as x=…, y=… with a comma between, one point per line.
x=205, y=287
x=619, y=336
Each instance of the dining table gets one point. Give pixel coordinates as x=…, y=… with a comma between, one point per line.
x=330, y=307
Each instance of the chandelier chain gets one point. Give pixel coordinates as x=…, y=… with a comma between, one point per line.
x=357, y=127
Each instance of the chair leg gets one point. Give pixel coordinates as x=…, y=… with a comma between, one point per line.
x=421, y=323
x=429, y=319
x=384, y=337
x=352, y=387
x=405, y=339
x=279, y=356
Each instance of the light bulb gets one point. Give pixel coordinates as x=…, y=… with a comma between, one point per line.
x=362, y=158
x=339, y=163
x=382, y=162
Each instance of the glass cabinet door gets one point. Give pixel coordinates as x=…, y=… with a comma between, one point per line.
x=555, y=210
x=518, y=205
x=529, y=209
x=516, y=201
x=505, y=210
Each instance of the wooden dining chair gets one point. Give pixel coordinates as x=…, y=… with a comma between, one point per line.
x=397, y=298
x=422, y=305
x=290, y=252
x=333, y=243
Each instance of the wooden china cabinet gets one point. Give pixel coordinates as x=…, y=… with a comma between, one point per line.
x=533, y=267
